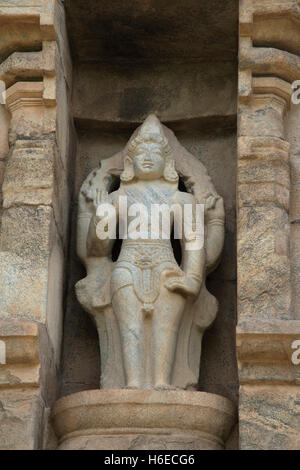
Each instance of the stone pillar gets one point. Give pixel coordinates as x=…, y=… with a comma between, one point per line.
x=263, y=205
x=33, y=236
x=269, y=381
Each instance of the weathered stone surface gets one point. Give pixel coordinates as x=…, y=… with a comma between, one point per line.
x=21, y=340
x=29, y=177
x=267, y=247
x=264, y=61
x=263, y=241
x=34, y=176
x=21, y=354
x=32, y=269
x=23, y=287
x=152, y=30
x=263, y=117
x=4, y=125
x=80, y=360
x=218, y=371
x=265, y=351
x=35, y=220
x=116, y=419
x=294, y=138
x=272, y=24
x=18, y=36
x=269, y=417
x=24, y=386
x=263, y=199
x=30, y=117
x=20, y=416
x=128, y=93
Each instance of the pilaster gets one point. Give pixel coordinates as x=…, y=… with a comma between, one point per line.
x=267, y=326
x=35, y=209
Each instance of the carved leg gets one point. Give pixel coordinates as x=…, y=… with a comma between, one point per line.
x=127, y=309
x=166, y=321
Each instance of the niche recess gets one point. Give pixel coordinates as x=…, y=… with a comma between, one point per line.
x=178, y=60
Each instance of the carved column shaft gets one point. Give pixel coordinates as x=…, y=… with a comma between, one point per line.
x=269, y=390
x=35, y=218
x=263, y=204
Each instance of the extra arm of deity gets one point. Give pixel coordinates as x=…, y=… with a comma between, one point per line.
x=97, y=246
x=214, y=223
x=193, y=259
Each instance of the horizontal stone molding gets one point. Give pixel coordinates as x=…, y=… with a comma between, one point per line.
x=264, y=351
x=23, y=94
x=269, y=61
x=21, y=354
x=254, y=14
x=29, y=65
x=269, y=344
x=21, y=339
x=268, y=373
x=41, y=11
x=272, y=85
x=19, y=376
x=30, y=94
x=21, y=64
x=203, y=419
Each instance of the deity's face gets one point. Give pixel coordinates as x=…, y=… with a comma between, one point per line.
x=148, y=161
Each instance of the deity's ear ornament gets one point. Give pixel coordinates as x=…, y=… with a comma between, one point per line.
x=128, y=172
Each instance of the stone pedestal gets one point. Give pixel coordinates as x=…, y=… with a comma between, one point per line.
x=142, y=419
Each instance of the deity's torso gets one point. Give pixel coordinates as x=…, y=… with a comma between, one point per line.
x=142, y=261
x=149, y=194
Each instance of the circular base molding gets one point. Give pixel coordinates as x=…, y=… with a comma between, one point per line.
x=142, y=419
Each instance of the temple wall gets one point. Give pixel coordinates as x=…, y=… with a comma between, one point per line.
x=70, y=107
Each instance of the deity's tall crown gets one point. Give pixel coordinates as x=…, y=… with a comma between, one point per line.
x=150, y=131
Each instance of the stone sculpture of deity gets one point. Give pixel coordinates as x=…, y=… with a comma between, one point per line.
x=150, y=312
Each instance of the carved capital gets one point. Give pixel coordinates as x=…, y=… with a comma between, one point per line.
x=31, y=114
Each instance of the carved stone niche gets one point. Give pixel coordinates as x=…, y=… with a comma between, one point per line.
x=150, y=312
